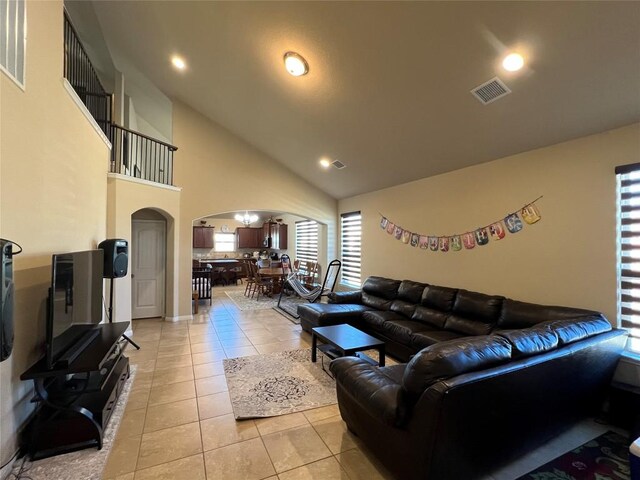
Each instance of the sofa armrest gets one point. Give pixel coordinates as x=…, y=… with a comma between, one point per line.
x=346, y=297
x=376, y=392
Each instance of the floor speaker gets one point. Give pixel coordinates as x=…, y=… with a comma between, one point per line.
x=115, y=257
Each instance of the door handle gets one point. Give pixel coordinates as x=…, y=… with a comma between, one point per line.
x=133, y=276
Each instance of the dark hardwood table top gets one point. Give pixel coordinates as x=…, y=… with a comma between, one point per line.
x=346, y=337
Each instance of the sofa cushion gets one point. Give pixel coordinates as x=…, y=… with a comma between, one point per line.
x=385, y=288
x=530, y=341
x=392, y=325
x=474, y=313
x=378, y=292
x=517, y=314
x=570, y=331
x=410, y=291
x=430, y=316
x=438, y=298
x=448, y=359
x=345, y=297
x=467, y=326
x=405, y=309
x=481, y=307
x=375, y=317
x=378, y=392
x=427, y=338
x=325, y=314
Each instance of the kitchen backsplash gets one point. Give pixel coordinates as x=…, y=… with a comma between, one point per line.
x=205, y=253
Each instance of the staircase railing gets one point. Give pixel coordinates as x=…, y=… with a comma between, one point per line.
x=140, y=156
x=80, y=73
x=132, y=153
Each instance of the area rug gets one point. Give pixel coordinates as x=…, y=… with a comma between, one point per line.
x=87, y=464
x=603, y=458
x=277, y=384
x=248, y=303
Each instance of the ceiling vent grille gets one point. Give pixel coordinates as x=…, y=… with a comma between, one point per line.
x=490, y=91
x=338, y=164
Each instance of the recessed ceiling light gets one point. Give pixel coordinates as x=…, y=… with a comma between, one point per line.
x=513, y=62
x=324, y=163
x=178, y=62
x=295, y=64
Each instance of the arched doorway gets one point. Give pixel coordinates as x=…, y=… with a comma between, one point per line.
x=148, y=252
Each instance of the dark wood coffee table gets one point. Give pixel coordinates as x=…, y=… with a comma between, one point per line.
x=344, y=340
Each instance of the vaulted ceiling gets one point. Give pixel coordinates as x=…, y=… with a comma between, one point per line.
x=388, y=91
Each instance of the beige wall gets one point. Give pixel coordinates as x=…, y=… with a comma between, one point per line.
x=568, y=258
x=125, y=197
x=52, y=197
x=221, y=173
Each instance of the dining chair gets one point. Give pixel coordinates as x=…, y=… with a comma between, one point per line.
x=262, y=284
x=249, y=276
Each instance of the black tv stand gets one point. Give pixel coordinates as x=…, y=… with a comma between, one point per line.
x=76, y=401
x=72, y=353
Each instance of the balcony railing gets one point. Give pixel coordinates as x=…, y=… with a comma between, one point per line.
x=80, y=73
x=132, y=153
x=140, y=156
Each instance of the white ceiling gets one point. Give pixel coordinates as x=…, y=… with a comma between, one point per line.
x=388, y=88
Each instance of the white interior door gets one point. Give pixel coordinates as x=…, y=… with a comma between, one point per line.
x=148, y=263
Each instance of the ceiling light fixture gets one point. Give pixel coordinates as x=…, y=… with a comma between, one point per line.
x=513, y=62
x=178, y=62
x=324, y=163
x=295, y=64
x=246, y=218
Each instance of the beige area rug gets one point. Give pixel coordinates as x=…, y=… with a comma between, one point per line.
x=87, y=464
x=288, y=305
x=248, y=303
x=277, y=384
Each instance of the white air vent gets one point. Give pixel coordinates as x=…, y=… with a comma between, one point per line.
x=338, y=164
x=491, y=91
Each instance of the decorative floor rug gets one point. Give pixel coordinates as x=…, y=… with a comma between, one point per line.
x=87, y=464
x=603, y=458
x=277, y=384
x=248, y=303
x=288, y=305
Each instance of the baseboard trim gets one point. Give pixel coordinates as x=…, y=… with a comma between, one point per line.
x=178, y=318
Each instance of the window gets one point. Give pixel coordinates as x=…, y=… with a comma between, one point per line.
x=628, y=265
x=224, y=242
x=307, y=240
x=12, y=39
x=351, y=240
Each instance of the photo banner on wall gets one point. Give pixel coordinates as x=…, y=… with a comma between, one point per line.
x=495, y=231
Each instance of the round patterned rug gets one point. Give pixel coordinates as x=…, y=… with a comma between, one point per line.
x=277, y=384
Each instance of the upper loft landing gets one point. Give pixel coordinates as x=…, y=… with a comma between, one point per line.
x=133, y=154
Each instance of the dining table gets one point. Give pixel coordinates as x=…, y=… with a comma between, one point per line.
x=279, y=275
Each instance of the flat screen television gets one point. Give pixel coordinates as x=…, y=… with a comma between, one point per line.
x=75, y=305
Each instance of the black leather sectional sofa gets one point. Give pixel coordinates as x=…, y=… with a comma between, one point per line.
x=487, y=378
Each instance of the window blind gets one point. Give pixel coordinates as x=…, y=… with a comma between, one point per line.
x=351, y=240
x=12, y=39
x=307, y=240
x=628, y=180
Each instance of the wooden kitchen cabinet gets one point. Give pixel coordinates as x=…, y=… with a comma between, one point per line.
x=203, y=237
x=276, y=233
x=247, y=237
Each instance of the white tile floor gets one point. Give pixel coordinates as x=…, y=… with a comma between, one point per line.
x=179, y=424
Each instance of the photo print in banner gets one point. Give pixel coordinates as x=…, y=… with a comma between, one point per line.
x=511, y=223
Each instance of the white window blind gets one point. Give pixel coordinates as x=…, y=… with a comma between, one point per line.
x=13, y=32
x=224, y=242
x=351, y=240
x=628, y=179
x=307, y=240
